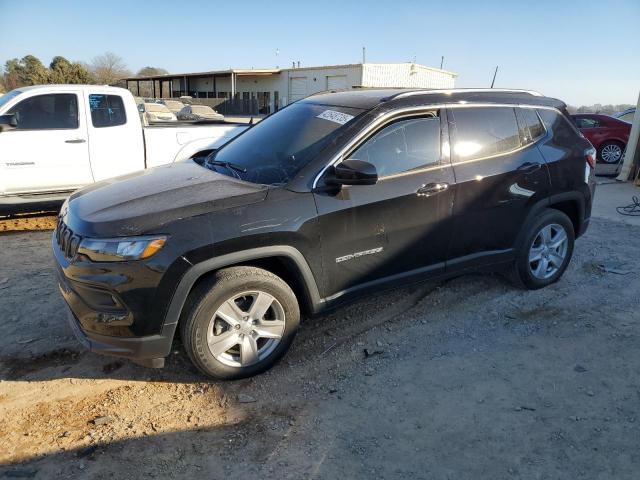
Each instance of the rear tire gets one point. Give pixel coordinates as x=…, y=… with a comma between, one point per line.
x=545, y=251
x=239, y=323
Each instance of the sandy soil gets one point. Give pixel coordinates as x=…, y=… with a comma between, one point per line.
x=469, y=378
x=24, y=223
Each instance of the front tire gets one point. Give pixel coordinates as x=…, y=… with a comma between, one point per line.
x=239, y=323
x=546, y=250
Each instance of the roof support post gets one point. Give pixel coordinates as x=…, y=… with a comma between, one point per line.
x=632, y=152
x=233, y=85
x=153, y=87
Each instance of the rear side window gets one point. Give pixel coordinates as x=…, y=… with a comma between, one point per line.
x=57, y=111
x=484, y=132
x=107, y=110
x=402, y=146
x=587, y=122
x=530, y=125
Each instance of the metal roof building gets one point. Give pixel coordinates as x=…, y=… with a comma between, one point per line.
x=266, y=90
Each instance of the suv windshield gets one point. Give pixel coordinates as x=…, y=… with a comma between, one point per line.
x=273, y=151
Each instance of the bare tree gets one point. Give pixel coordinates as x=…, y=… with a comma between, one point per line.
x=108, y=68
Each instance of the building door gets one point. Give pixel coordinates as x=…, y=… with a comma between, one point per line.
x=336, y=82
x=297, y=88
x=263, y=102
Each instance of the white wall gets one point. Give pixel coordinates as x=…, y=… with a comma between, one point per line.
x=407, y=75
x=315, y=78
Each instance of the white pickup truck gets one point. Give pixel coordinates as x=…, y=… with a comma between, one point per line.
x=57, y=138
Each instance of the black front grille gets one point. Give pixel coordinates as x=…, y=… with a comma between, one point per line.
x=67, y=240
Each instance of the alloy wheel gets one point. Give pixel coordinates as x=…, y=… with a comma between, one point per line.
x=548, y=251
x=246, y=329
x=611, y=153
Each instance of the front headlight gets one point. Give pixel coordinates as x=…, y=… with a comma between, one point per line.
x=121, y=249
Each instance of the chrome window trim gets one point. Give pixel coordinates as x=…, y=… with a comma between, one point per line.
x=400, y=112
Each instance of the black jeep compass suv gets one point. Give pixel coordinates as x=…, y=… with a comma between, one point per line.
x=334, y=196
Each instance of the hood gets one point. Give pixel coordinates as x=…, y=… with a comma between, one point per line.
x=136, y=203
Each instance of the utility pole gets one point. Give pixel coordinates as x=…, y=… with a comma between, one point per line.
x=364, y=54
x=441, y=61
x=494, y=76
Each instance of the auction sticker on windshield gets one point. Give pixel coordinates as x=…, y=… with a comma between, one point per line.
x=337, y=117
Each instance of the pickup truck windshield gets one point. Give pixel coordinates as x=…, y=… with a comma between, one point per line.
x=274, y=150
x=8, y=96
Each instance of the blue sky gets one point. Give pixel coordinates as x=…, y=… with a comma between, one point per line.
x=580, y=51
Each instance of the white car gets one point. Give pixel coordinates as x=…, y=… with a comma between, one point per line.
x=57, y=138
x=156, y=112
x=199, y=112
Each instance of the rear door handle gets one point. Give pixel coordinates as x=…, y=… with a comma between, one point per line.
x=432, y=188
x=529, y=167
x=75, y=140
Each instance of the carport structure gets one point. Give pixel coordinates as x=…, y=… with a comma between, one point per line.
x=211, y=84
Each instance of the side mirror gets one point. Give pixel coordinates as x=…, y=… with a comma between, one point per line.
x=8, y=122
x=354, y=172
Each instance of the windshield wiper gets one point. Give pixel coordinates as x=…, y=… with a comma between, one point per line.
x=229, y=165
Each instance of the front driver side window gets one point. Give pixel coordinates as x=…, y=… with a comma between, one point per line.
x=404, y=145
x=57, y=111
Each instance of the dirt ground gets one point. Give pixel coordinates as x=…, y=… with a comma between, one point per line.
x=464, y=379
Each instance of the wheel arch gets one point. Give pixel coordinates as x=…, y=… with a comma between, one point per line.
x=285, y=261
x=571, y=204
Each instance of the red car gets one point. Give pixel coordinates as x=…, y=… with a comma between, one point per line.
x=607, y=134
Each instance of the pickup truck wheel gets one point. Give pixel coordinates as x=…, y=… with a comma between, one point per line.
x=546, y=250
x=240, y=322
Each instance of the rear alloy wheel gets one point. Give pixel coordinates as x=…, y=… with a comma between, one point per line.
x=548, y=251
x=611, y=152
x=239, y=322
x=545, y=251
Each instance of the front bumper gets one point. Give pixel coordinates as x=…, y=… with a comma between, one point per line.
x=148, y=351
x=101, y=316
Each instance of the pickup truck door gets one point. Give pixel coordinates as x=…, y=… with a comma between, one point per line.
x=398, y=229
x=48, y=151
x=116, y=146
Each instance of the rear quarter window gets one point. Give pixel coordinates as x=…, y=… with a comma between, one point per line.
x=531, y=127
x=107, y=110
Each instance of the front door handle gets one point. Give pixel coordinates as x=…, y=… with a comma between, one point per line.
x=75, y=140
x=432, y=188
x=529, y=167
